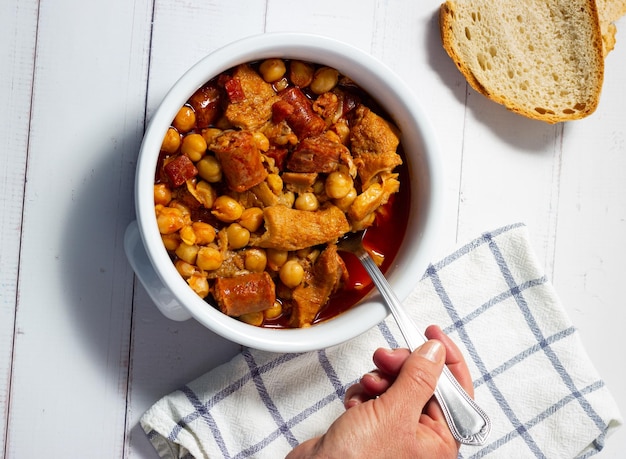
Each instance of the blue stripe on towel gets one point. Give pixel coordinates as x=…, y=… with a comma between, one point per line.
x=532, y=324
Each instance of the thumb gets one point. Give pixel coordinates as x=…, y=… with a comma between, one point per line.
x=419, y=375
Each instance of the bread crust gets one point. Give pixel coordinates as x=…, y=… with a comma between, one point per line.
x=522, y=89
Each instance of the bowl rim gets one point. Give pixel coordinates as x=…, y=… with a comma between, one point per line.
x=369, y=73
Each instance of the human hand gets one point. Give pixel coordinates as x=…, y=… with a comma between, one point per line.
x=390, y=412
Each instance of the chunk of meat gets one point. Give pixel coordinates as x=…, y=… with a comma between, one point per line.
x=299, y=182
x=373, y=144
x=206, y=104
x=279, y=155
x=292, y=229
x=179, y=170
x=317, y=154
x=251, y=101
x=296, y=109
x=323, y=280
x=240, y=158
x=244, y=294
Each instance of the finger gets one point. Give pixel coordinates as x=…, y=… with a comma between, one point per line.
x=390, y=361
x=417, y=379
x=305, y=450
x=355, y=395
x=454, y=358
x=376, y=382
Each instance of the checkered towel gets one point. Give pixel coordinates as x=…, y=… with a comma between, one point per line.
x=532, y=375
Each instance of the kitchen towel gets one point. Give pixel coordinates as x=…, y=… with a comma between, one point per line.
x=531, y=372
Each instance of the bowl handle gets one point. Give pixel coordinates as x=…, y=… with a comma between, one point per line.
x=159, y=293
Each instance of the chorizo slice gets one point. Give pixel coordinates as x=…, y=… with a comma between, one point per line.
x=206, y=103
x=297, y=110
x=179, y=170
x=240, y=159
x=244, y=294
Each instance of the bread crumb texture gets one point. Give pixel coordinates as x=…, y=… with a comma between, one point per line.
x=540, y=58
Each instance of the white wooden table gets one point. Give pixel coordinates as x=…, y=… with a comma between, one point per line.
x=83, y=352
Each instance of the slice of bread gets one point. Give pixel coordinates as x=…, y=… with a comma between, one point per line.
x=540, y=58
x=609, y=11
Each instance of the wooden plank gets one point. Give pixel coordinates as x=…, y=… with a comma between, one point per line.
x=590, y=253
x=167, y=354
x=508, y=162
x=18, y=25
x=407, y=40
x=349, y=21
x=74, y=303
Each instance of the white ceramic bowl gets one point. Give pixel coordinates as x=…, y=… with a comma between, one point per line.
x=171, y=293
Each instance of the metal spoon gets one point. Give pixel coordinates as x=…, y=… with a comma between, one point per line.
x=468, y=423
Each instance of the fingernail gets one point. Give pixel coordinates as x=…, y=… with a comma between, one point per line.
x=375, y=376
x=432, y=350
x=352, y=403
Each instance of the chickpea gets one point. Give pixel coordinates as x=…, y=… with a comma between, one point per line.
x=274, y=311
x=205, y=194
x=301, y=73
x=287, y=199
x=318, y=187
x=209, y=258
x=252, y=318
x=338, y=185
x=255, y=260
x=345, y=202
x=194, y=147
x=169, y=219
x=185, y=119
x=187, y=235
x=187, y=252
x=281, y=84
x=324, y=80
x=238, y=236
x=276, y=258
x=251, y=218
x=199, y=284
x=171, y=141
x=209, y=169
x=210, y=134
x=275, y=182
x=342, y=130
x=185, y=269
x=291, y=273
x=261, y=141
x=303, y=253
x=205, y=233
x=170, y=241
x=307, y=201
x=272, y=69
x=183, y=209
x=227, y=209
x=162, y=194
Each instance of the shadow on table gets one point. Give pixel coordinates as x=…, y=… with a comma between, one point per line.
x=518, y=131
x=142, y=355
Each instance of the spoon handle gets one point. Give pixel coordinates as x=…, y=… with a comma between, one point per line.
x=468, y=423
